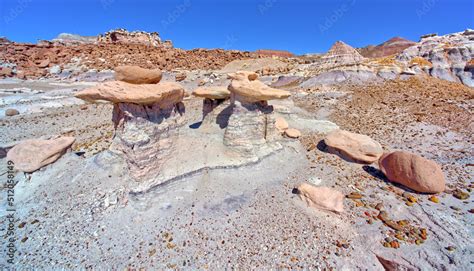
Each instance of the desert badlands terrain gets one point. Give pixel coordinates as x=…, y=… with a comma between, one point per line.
x=121, y=151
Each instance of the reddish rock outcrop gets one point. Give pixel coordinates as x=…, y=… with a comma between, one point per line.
x=391, y=47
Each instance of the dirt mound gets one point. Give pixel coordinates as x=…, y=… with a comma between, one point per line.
x=254, y=65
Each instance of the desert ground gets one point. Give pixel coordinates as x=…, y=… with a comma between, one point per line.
x=208, y=201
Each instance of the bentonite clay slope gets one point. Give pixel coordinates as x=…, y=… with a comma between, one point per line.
x=391, y=47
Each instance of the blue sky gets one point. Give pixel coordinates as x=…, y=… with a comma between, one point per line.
x=297, y=26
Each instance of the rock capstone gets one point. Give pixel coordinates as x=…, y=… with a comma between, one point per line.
x=137, y=75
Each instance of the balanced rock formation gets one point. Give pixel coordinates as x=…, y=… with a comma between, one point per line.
x=413, y=171
x=146, y=119
x=33, y=154
x=137, y=75
x=354, y=147
x=321, y=198
x=247, y=89
x=251, y=124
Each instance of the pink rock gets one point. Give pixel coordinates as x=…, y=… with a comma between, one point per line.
x=413, y=171
x=167, y=93
x=137, y=75
x=292, y=133
x=33, y=154
x=281, y=124
x=320, y=197
x=355, y=147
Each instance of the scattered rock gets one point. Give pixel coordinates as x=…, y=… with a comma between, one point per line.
x=281, y=124
x=354, y=147
x=459, y=194
x=292, y=133
x=137, y=75
x=413, y=171
x=11, y=112
x=319, y=197
x=180, y=77
x=33, y=154
x=6, y=72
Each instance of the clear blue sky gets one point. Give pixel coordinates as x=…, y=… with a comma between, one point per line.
x=297, y=26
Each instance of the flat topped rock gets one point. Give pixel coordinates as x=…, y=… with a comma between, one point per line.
x=33, y=154
x=137, y=75
x=322, y=198
x=247, y=88
x=212, y=92
x=122, y=92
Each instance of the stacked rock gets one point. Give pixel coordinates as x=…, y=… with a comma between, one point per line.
x=146, y=114
x=251, y=124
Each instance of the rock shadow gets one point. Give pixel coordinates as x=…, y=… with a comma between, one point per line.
x=325, y=148
x=377, y=173
x=222, y=118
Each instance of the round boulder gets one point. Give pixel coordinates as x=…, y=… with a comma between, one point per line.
x=413, y=171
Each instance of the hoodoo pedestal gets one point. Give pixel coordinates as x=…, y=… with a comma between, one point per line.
x=146, y=118
x=251, y=125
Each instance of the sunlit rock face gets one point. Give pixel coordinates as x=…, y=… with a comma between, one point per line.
x=145, y=135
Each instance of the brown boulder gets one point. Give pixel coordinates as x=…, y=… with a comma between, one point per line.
x=137, y=75
x=320, y=197
x=33, y=154
x=413, y=171
x=121, y=92
x=5, y=71
x=354, y=147
x=44, y=63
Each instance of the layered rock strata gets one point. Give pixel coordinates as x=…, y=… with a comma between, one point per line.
x=146, y=118
x=251, y=124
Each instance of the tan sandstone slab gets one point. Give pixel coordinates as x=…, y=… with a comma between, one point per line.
x=281, y=124
x=245, y=85
x=212, y=92
x=33, y=154
x=292, y=133
x=413, y=171
x=137, y=75
x=322, y=198
x=122, y=92
x=356, y=147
